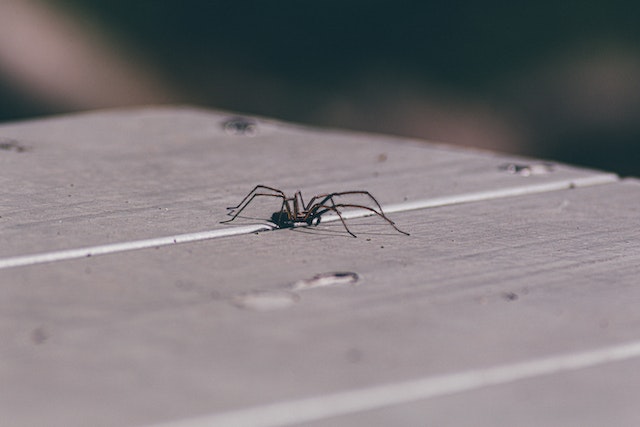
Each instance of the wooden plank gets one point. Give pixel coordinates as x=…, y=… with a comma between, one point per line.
x=594, y=397
x=233, y=325
x=116, y=176
x=239, y=323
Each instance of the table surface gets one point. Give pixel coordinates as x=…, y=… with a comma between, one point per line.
x=125, y=302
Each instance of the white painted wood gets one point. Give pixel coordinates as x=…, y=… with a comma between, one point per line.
x=504, y=309
x=108, y=177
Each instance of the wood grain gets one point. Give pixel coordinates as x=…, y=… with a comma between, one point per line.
x=246, y=328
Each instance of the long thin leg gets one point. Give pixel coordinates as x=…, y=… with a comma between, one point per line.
x=380, y=214
x=253, y=191
x=287, y=207
x=281, y=196
x=334, y=209
x=324, y=198
x=296, y=197
x=343, y=205
x=330, y=196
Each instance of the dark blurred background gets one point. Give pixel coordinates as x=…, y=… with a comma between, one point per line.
x=553, y=79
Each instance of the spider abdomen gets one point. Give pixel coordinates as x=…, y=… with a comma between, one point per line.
x=281, y=219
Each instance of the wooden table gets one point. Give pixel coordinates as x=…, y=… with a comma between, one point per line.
x=125, y=302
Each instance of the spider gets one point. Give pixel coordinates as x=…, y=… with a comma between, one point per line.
x=294, y=211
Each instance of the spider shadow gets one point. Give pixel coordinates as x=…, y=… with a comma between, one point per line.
x=325, y=229
x=247, y=218
x=338, y=230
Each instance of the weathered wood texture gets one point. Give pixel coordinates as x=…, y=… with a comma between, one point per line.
x=519, y=308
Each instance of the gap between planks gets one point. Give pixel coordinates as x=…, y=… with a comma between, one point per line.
x=353, y=401
x=69, y=254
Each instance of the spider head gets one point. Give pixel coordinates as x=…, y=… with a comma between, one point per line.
x=282, y=220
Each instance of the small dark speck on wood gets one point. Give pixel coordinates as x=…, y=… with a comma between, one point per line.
x=327, y=279
x=354, y=355
x=39, y=335
x=241, y=126
x=528, y=169
x=11, y=145
x=510, y=296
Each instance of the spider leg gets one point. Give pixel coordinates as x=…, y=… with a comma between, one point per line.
x=296, y=197
x=310, y=209
x=330, y=196
x=333, y=208
x=325, y=198
x=381, y=215
x=286, y=208
x=282, y=196
x=253, y=191
x=366, y=193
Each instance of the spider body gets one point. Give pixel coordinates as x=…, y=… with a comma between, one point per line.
x=282, y=220
x=294, y=210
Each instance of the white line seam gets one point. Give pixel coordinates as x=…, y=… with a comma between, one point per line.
x=69, y=254
x=24, y=260
x=354, y=401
